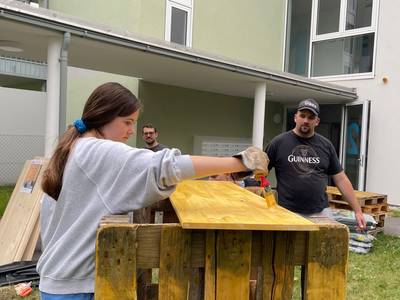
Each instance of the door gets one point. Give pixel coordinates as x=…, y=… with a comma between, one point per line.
x=355, y=142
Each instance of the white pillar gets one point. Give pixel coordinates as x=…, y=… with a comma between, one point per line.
x=258, y=114
x=53, y=95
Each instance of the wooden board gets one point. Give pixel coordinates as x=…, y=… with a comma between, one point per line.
x=326, y=265
x=116, y=262
x=233, y=264
x=209, y=268
x=175, y=256
x=202, y=204
x=283, y=265
x=19, y=224
x=33, y=240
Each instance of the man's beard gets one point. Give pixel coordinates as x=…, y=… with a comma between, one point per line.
x=149, y=142
x=305, y=129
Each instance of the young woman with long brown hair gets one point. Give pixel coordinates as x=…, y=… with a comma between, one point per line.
x=92, y=173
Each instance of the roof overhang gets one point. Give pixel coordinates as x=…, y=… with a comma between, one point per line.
x=97, y=47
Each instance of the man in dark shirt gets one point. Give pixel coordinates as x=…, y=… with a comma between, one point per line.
x=150, y=135
x=303, y=160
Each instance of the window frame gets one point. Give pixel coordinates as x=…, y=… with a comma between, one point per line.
x=342, y=33
x=185, y=5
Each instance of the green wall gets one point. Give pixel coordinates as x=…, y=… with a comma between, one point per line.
x=146, y=17
x=179, y=114
x=81, y=83
x=272, y=129
x=250, y=31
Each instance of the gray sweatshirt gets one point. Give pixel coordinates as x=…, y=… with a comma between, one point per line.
x=101, y=177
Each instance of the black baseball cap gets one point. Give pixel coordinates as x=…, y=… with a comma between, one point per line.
x=309, y=104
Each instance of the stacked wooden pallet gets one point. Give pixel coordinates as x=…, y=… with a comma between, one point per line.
x=371, y=203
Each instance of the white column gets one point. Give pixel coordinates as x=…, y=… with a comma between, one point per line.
x=258, y=114
x=53, y=95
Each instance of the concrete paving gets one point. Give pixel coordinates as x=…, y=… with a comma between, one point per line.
x=392, y=226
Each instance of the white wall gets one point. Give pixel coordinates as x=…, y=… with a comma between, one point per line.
x=384, y=136
x=22, y=127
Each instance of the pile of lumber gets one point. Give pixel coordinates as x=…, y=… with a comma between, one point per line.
x=371, y=203
x=19, y=226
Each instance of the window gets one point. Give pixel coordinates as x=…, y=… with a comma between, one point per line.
x=328, y=16
x=348, y=55
x=298, y=36
x=359, y=14
x=340, y=41
x=178, y=25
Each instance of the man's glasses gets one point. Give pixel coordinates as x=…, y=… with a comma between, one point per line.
x=148, y=133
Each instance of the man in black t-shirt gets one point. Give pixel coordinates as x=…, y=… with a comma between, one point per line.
x=303, y=160
x=150, y=135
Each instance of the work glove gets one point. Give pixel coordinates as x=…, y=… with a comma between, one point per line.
x=253, y=159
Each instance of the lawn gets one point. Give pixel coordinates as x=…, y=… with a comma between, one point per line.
x=5, y=194
x=372, y=276
x=395, y=212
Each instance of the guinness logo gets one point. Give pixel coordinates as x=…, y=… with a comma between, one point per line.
x=304, y=159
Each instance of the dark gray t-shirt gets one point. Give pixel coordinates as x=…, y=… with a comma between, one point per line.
x=302, y=167
x=159, y=147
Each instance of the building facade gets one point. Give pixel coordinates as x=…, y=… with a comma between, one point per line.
x=318, y=48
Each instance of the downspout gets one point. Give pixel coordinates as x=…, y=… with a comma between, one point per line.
x=63, y=82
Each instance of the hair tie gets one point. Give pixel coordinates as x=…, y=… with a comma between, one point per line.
x=80, y=126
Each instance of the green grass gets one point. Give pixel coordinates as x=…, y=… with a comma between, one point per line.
x=376, y=275
x=372, y=276
x=395, y=212
x=5, y=194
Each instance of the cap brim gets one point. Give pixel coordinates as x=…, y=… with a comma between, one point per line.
x=310, y=109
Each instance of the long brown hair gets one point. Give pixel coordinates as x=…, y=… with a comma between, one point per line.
x=108, y=101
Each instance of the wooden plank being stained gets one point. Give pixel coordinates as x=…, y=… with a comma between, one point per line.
x=17, y=227
x=202, y=204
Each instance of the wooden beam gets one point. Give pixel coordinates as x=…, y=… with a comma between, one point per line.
x=210, y=261
x=267, y=275
x=233, y=264
x=283, y=265
x=326, y=267
x=116, y=263
x=175, y=268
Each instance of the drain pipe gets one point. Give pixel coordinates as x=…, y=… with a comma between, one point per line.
x=63, y=83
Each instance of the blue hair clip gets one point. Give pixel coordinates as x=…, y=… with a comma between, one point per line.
x=80, y=126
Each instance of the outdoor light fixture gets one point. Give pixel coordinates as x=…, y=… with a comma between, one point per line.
x=10, y=46
x=277, y=118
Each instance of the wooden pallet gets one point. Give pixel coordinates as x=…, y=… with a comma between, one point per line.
x=371, y=203
x=364, y=198
x=376, y=231
x=219, y=264
x=368, y=209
